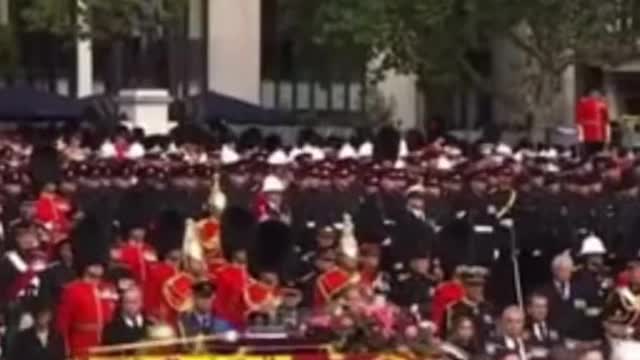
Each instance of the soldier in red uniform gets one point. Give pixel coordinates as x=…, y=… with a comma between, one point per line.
x=163, y=299
x=88, y=303
x=592, y=119
x=135, y=253
x=53, y=211
x=268, y=260
x=238, y=232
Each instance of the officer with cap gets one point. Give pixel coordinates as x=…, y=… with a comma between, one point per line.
x=200, y=320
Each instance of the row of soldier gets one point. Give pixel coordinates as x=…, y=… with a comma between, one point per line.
x=417, y=222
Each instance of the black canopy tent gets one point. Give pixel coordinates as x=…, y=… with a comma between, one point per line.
x=212, y=106
x=29, y=104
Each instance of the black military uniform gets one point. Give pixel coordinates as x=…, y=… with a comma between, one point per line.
x=591, y=289
x=410, y=288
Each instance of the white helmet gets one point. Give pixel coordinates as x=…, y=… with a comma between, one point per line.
x=278, y=158
x=347, y=152
x=592, y=245
x=272, y=183
x=228, y=155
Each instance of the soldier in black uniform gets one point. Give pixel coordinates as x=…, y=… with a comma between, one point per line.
x=414, y=287
x=592, y=284
x=411, y=227
x=473, y=305
x=627, y=221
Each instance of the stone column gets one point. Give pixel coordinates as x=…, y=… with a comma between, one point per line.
x=84, y=61
x=234, y=48
x=611, y=94
x=567, y=108
x=4, y=12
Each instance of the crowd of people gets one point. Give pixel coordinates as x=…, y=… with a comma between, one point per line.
x=377, y=243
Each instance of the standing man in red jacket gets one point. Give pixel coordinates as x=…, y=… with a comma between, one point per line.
x=88, y=303
x=592, y=120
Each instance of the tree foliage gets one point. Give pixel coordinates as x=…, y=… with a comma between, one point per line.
x=439, y=39
x=103, y=19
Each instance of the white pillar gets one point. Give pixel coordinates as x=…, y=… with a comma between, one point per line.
x=234, y=48
x=567, y=111
x=611, y=95
x=401, y=94
x=84, y=61
x=4, y=12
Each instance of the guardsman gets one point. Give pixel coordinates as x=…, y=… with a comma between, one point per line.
x=87, y=304
x=239, y=232
x=473, y=305
x=53, y=210
x=414, y=287
x=164, y=300
x=268, y=262
x=135, y=253
x=592, y=118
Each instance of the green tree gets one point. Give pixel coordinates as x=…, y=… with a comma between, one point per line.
x=106, y=20
x=110, y=23
x=438, y=40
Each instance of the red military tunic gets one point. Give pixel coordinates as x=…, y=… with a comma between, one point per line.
x=53, y=211
x=592, y=118
x=446, y=294
x=155, y=305
x=209, y=235
x=136, y=257
x=177, y=295
x=330, y=284
x=230, y=303
x=84, y=309
x=261, y=297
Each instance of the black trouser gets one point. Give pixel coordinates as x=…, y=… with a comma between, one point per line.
x=592, y=148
